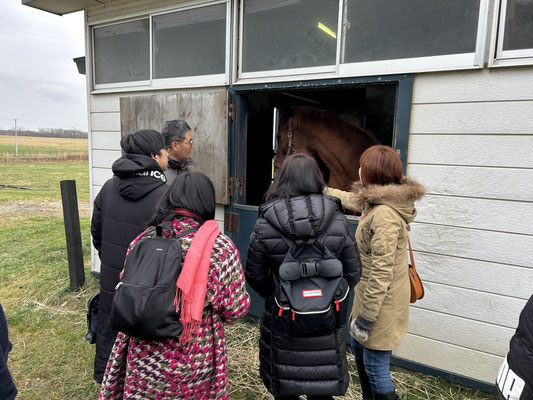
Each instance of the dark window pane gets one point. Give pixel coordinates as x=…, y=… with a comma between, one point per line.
x=518, y=25
x=122, y=52
x=392, y=29
x=289, y=34
x=191, y=42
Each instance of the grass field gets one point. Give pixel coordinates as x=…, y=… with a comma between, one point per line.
x=50, y=360
x=29, y=146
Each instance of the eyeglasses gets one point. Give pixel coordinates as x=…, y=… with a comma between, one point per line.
x=189, y=143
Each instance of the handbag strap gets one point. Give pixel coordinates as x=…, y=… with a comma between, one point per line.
x=411, y=252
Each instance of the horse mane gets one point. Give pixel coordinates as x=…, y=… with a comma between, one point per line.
x=303, y=116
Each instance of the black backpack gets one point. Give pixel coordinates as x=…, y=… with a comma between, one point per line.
x=311, y=292
x=93, y=306
x=143, y=305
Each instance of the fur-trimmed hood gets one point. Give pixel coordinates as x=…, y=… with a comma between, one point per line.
x=400, y=196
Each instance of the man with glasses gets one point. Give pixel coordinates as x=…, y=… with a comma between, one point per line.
x=178, y=138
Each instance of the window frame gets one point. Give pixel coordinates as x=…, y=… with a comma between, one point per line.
x=474, y=60
x=141, y=83
x=165, y=83
x=498, y=56
x=247, y=77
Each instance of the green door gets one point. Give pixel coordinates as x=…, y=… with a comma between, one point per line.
x=382, y=103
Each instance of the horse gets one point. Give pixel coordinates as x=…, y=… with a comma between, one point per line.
x=335, y=144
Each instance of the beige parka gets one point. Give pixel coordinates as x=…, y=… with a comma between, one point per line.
x=382, y=294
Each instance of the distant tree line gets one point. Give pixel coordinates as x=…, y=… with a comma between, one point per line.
x=47, y=132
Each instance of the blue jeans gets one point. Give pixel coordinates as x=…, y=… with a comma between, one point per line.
x=377, y=364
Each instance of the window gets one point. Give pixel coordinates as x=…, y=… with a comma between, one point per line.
x=191, y=42
x=390, y=29
x=515, y=31
x=359, y=37
x=290, y=34
x=186, y=47
x=122, y=52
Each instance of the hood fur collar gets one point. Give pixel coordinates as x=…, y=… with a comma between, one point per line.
x=405, y=193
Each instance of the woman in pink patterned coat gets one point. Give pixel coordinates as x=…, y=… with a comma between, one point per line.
x=197, y=369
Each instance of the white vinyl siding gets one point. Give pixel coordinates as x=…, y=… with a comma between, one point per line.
x=470, y=144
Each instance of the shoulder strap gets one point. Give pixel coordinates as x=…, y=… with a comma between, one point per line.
x=411, y=252
x=408, y=239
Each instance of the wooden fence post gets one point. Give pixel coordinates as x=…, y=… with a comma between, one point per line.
x=72, y=234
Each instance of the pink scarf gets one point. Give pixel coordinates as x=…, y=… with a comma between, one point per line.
x=192, y=282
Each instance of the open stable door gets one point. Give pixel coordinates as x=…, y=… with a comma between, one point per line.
x=206, y=113
x=381, y=106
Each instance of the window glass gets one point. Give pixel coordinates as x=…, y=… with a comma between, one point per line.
x=122, y=52
x=518, y=25
x=190, y=42
x=392, y=29
x=280, y=34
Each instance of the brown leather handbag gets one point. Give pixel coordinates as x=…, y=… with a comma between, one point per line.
x=417, y=289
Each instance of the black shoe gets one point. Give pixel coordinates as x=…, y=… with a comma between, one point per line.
x=386, y=396
x=366, y=389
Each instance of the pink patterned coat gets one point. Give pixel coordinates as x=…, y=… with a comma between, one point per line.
x=141, y=369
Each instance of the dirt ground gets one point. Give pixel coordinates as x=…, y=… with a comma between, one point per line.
x=42, y=208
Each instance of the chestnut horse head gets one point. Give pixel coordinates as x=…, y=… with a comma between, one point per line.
x=335, y=144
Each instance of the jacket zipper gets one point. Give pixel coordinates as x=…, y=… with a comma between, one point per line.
x=281, y=308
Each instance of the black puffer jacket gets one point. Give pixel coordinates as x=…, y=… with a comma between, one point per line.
x=289, y=365
x=8, y=391
x=515, y=378
x=122, y=209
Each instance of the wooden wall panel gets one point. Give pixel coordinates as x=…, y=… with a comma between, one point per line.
x=105, y=158
x=496, y=84
x=105, y=140
x=105, y=122
x=474, y=150
x=494, y=183
x=101, y=175
x=491, y=246
x=468, y=333
x=449, y=357
x=489, y=277
x=205, y=112
x=472, y=304
x=477, y=213
x=512, y=117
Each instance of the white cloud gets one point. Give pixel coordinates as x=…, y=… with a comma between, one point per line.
x=38, y=79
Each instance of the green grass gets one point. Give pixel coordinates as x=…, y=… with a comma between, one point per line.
x=50, y=360
x=43, y=179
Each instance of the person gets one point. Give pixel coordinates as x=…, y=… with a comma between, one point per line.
x=8, y=390
x=515, y=377
x=178, y=137
x=121, y=211
x=314, y=364
x=380, y=310
x=193, y=366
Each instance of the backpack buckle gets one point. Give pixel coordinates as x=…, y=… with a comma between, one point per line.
x=309, y=268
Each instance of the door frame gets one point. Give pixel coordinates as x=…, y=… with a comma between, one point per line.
x=246, y=214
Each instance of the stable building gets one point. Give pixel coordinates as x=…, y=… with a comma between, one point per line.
x=448, y=84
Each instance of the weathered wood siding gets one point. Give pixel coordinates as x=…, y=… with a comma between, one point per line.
x=471, y=144
x=105, y=142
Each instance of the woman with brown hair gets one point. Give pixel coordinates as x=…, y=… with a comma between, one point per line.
x=380, y=311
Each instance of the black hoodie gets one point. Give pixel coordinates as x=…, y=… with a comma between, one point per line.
x=121, y=212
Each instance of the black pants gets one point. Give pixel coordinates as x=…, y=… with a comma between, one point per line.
x=308, y=398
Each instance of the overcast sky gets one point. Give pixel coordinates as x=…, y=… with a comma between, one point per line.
x=38, y=79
